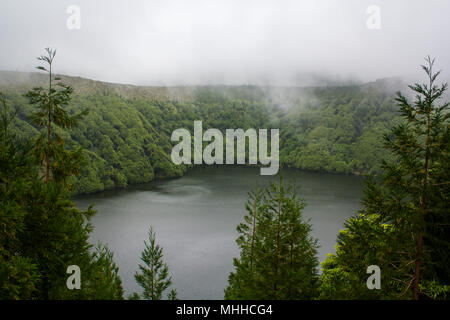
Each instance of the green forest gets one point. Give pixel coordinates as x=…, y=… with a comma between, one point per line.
x=126, y=134
x=62, y=136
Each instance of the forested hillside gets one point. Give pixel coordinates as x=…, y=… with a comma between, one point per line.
x=127, y=131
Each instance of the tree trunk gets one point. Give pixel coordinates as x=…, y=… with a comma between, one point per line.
x=419, y=250
x=49, y=127
x=253, y=235
x=275, y=285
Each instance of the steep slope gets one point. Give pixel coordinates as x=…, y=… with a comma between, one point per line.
x=127, y=132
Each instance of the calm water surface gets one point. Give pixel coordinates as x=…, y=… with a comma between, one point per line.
x=195, y=220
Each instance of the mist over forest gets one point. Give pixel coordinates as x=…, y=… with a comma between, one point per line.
x=254, y=42
x=110, y=191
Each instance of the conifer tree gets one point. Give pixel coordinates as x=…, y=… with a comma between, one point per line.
x=278, y=256
x=420, y=146
x=105, y=282
x=403, y=226
x=19, y=277
x=44, y=232
x=52, y=114
x=154, y=274
x=241, y=282
x=173, y=295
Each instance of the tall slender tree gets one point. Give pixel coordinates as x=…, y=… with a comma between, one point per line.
x=154, y=274
x=43, y=231
x=52, y=102
x=418, y=145
x=404, y=224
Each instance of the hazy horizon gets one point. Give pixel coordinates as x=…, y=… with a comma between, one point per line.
x=322, y=82
x=265, y=43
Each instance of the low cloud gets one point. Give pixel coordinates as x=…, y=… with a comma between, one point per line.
x=227, y=42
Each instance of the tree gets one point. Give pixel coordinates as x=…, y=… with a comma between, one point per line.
x=241, y=282
x=421, y=144
x=278, y=256
x=407, y=205
x=154, y=274
x=363, y=242
x=105, y=281
x=51, y=103
x=41, y=230
x=173, y=295
x=45, y=232
x=19, y=277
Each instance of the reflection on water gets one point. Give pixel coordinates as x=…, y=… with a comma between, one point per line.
x=195, y=219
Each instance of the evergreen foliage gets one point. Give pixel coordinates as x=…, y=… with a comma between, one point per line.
x=41, y=230
x=278, y=256
x=154, y=274
x=403, y=227
x=126, y=135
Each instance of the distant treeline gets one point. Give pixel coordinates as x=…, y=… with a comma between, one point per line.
x=126, y=135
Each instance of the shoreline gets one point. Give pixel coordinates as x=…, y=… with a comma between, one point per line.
x=199, y=167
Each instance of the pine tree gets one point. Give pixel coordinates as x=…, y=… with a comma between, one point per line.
x=406, y=207
x=19, y=277
x=154, y=274
x=47, y=232
x=241, y=282
x=419, y=146
x=173, y=295
x=105, y=282
x=52, y=114
x=363, y=242
x=44, y=232
x=278, y=256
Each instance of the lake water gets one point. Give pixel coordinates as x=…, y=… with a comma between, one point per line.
x=195, y=219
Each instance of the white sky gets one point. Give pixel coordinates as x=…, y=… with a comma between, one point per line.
x=226, y=42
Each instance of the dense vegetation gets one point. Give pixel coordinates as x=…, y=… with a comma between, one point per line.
x=127, y=132
x=278, y=256
x=339, y=131
x=42, y=233
x=404, y=224
x=402, y=228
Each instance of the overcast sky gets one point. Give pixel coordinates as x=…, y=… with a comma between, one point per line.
x=229, y=42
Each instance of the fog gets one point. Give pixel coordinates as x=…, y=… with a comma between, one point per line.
x=227, y=42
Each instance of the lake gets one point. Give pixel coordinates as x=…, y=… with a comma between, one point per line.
x=195, y=219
